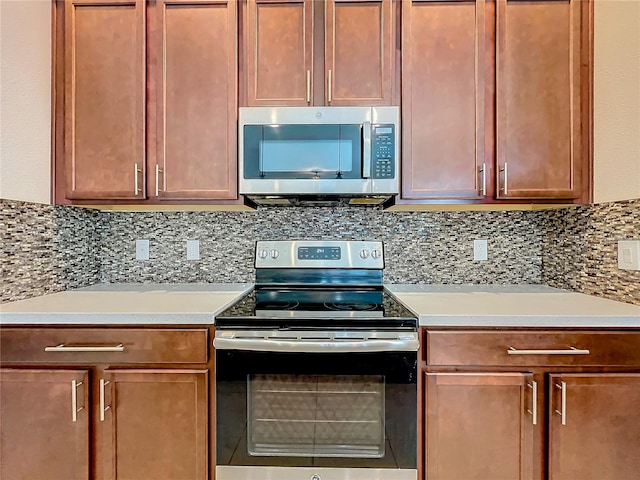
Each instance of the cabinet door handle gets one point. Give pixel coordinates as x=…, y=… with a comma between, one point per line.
x=85, y=348
x=136, y=171
x=329, y=82
x=534, y=401
x=483, y=189
x=308, y=86
x=74, y=400
x=103, y=408
x=158, y=171
x=505, y=169
x=570, y=351
x=563, y=402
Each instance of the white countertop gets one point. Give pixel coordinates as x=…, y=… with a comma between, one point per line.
x=435, y=305
x=130, y=304
x=512, y=306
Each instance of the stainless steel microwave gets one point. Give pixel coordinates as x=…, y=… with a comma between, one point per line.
x=317, y=151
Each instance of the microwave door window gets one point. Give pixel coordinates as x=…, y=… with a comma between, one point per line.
x=302, y=151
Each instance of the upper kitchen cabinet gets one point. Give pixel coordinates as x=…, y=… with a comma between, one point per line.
x=104, y=99
x=150, y=100
x=193, y=104
x=496, y=100
x=444, y=50
x=309, y=52
x=538, y=95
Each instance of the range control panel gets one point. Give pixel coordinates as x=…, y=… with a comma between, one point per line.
x=319, y=254
x=383, y=147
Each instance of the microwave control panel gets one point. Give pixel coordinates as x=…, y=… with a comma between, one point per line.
x=383, y=147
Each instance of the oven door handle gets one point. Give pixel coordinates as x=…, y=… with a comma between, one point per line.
x=312, y=346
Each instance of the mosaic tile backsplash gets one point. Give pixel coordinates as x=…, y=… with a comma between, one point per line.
x=47, y=249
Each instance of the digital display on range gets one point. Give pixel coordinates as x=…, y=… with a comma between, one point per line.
x=319, y=253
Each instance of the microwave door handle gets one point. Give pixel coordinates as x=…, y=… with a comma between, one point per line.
x=366, y=150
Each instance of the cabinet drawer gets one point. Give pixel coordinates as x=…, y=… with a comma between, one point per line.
x=103, y=345
x=532, y=348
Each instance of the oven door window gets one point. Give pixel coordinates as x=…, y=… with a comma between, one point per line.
x=302, y=151
x=316, y=415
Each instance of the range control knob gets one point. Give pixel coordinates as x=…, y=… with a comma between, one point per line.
x=275, y=253
x=376, y=253
x=315, y=477
x=364, y=253
x=263, y=254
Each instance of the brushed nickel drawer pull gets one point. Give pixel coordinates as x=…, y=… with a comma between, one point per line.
x=569, y=351
x=308, y=86
x=534, y=401
x=81, y=348
x=563, y=402
x=74, y=400
x=103, y=408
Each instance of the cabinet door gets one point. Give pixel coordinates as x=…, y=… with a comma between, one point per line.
x=359, y=47
x=478, y=426
x=104, y=121
x=538, y=99
x=279, y=46
x=194, y=60
x=44, y=424
x=443, y=81
x=155, y=424
x=594, y=431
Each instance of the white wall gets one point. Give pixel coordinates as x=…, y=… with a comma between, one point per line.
x=616, y=100
x=25, y=100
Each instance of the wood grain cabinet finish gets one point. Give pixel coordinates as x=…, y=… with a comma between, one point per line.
x=538, y=91
x=594, y=432
x=44, y=424
x=443, y=79
x=140, y=402
x=496, y=100
x=478, y=426
x=192, y=57
x=154, y=424
x=306, y=52
x=104, y=99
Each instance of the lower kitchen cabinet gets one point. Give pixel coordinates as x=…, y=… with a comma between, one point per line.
x=105, y=404
x=44, y=424
x=594, y=426
x=479, y=426
x=155, y=424
x=531, y=404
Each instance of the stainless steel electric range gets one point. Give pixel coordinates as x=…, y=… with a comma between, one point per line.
x=316, y=369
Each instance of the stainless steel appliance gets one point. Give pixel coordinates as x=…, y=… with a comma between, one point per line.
x=318, y=152
x=316, y=369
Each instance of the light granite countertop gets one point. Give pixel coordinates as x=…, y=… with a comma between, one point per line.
x=126, y=304
x=435, y=305
x=512, y=306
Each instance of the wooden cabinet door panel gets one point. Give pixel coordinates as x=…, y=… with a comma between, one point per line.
x=359, y=46
x=104, y=145
x=478, y=426
x=538, y=99
x=39, y=438
x=443, y=81
x=279, y=58
x=155, y=425
x=195, y=64
x=600, y=437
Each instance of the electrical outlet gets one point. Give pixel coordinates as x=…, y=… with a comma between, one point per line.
x=142, y=249
x=193, y=249
x=629, y=254
x=480, y=250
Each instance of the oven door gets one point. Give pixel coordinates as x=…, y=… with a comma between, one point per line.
x=332, y=410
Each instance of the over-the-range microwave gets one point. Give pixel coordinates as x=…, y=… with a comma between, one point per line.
x=317, y=152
